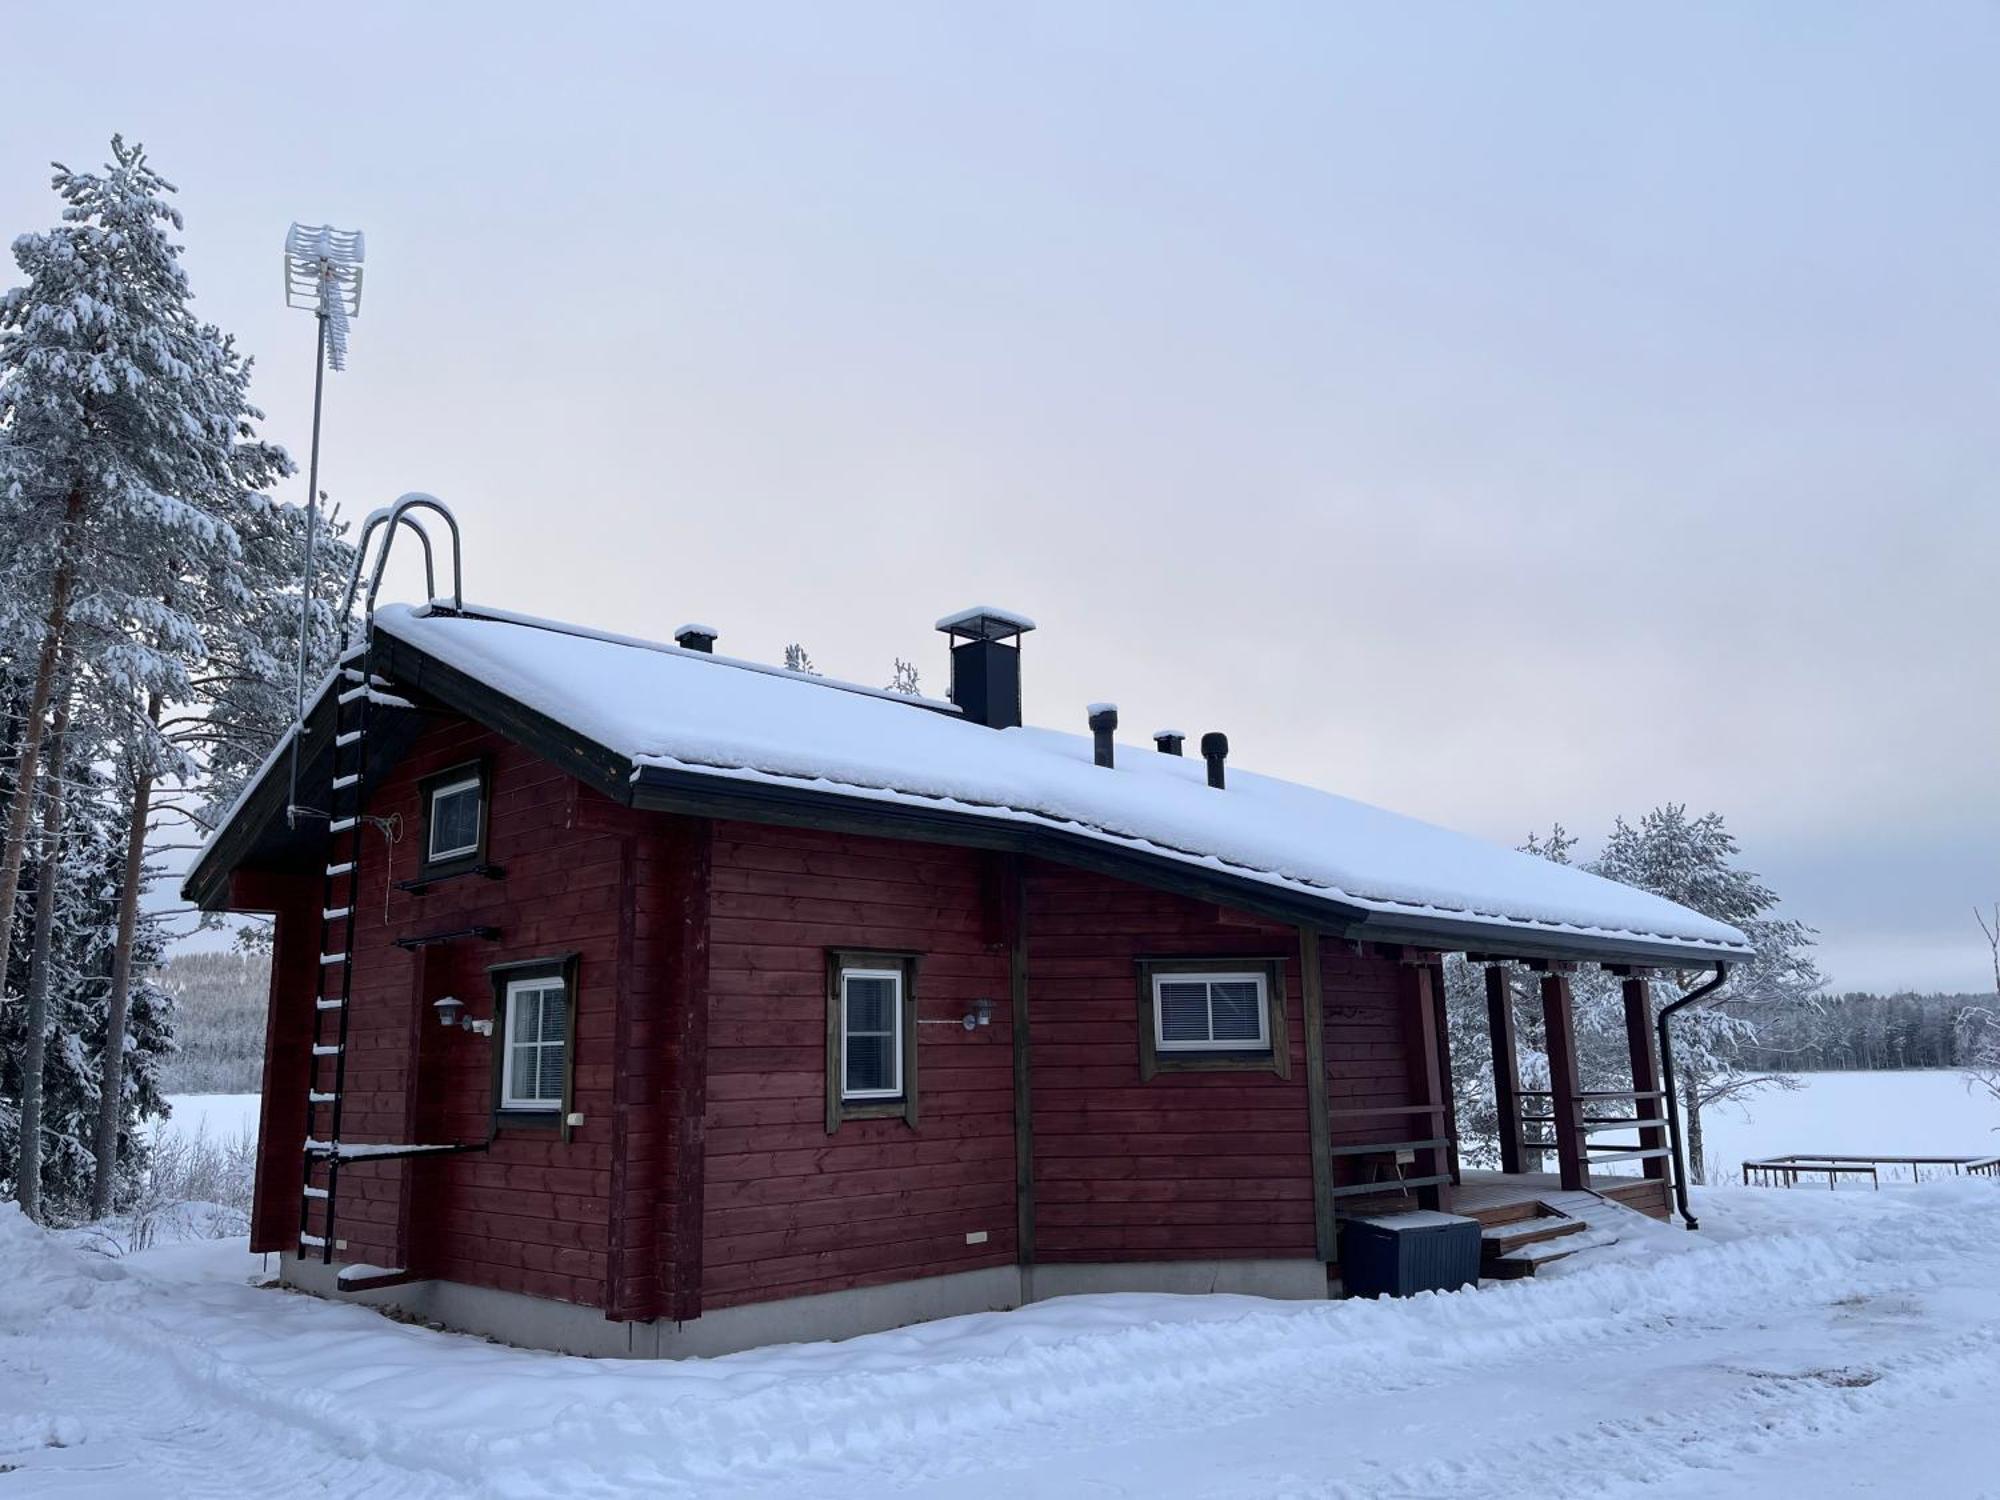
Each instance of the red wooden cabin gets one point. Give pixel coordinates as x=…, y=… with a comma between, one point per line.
x=675, y=1004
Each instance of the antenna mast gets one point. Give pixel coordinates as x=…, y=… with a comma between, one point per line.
x=323, y=273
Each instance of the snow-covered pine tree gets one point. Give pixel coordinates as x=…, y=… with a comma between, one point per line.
x=1694, y=861
x=124, y=426
x=129, y=465
x=84, y=933
x=1689, y=860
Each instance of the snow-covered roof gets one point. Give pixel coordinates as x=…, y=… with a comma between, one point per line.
x=682, y=711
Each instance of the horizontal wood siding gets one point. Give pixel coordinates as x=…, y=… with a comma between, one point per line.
x=532, y=1213
x=1368, y=1061
x=1186, y=1165
x=789, y=1209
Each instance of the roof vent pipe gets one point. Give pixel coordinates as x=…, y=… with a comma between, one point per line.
x=696, y=638
x=1215, y=750
x=1103, y=720
x=1168, y=741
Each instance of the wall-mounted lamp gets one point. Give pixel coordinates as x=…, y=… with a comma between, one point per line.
x=451, y=1012
x=980, y=1015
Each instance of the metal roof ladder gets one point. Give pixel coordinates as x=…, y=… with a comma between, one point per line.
x=356, y=693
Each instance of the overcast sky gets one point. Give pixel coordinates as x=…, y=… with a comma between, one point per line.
x=1506, y=415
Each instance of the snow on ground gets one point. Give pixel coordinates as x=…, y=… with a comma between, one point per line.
x=1828, y=1343
x=1917, y=1113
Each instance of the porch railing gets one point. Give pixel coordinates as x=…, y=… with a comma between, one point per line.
x=1430, y=1176
x=1577, y=1153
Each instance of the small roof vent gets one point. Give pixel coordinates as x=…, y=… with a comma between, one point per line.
x=1168, y=741
x=696, y=637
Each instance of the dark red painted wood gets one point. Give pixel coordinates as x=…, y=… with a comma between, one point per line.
x=789, y=1210
x=293, y=902
x=702, y=1175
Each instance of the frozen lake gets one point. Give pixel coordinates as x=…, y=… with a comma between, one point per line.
x=222, y=1118
x=1899, y=1114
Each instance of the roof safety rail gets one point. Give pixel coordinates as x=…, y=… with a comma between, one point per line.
x=388, y=522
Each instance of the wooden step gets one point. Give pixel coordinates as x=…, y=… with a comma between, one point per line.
x=1527, y=1260
x=1504, y=1239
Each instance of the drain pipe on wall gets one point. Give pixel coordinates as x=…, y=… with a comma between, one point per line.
x=1673, y=1099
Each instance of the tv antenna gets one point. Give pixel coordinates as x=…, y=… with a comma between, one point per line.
x=322, y=273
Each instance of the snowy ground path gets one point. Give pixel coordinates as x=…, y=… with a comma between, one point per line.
x=1829, y=1343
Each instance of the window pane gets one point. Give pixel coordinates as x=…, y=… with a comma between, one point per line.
x=454, y=821
x=1183, y=1007
x=552, y=1015
x=871, y=1063
x=549, y=1086
x=871, y=1004
x=521, y=1073
x=1238, y=1015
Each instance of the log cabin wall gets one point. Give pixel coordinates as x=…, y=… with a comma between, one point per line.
x=531, y=1214
x=703, y=1175
x=789, y=1209
x=1369, y=1061
x=1186, y=1165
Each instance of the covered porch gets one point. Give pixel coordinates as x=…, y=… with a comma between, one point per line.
x=1610, y=1145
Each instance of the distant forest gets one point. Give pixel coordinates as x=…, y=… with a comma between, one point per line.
x=218, y=1020
x=1855, y=1032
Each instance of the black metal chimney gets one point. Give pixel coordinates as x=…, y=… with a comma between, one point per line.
x=1215, y=750
x=985, y=667
x=1168, y=741
x=1103, y=720
x=695, y=638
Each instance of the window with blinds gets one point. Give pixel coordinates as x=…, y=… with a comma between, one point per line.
x=535, y=1044
x=871, y=1036
x=871, y=1033
x=1211, y=1012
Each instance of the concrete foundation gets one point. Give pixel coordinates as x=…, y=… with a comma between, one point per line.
x=538, y=1323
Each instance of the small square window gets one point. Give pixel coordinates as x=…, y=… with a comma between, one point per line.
x=453, y=807
x=454, y=821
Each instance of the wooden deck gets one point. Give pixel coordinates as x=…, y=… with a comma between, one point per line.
x=1495, y=1198
x=1501, y=1198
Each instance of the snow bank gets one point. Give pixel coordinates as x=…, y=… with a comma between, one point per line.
x=1857, y=1331
x=40, y=1273
x=663, y=706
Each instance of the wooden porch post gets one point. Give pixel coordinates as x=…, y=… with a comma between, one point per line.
x=1506, y=1067
x=1559, y=1021
x=1428, y=1086
x=1645, y=1069
x=1312, y=994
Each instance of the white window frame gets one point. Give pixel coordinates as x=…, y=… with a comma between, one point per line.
x=509, y=1100
x=1262, y=980
x=477, y=786
x=896, y=1037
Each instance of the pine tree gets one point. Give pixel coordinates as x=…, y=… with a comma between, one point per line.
x=1692, y=861
x=135, y=546
x=124, y=424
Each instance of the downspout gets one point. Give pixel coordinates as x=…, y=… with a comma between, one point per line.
x=1673, y=1099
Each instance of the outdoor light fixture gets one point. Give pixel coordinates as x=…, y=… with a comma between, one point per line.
x=980, y=1015
x=451, y=1012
